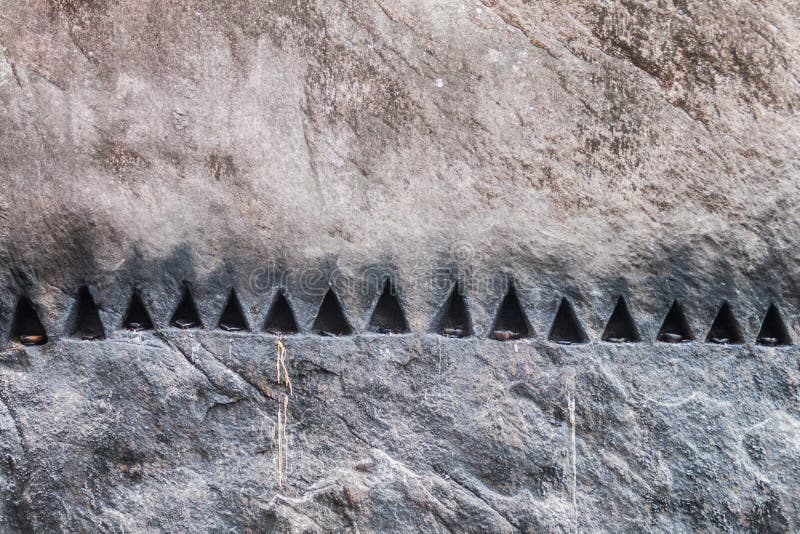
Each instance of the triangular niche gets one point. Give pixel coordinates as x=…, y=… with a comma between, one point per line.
x=280, y=319
x=388, y=316
x=186, y=315
x=511, y=321
x=232, y=318
x=725, y=329
x=675, y=328
x=330, y=319
x=88, y=325
x=137, y=317
x=453, y=319
x=621, y=328
x=566, y=327
x=773, y=331
x=26, y=326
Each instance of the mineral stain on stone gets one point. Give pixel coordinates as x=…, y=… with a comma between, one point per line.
x=725, y=328
x=88, y=325
x=26, y=326
x=186, y=315
x=621, y=328
x=453, y=319
x=221, y=166
x=567, y=328
x=388, y=316
x=232, y=318
x=773, y=331
x=137, y=317
x=330, y=319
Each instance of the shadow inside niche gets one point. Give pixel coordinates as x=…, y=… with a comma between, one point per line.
x=675, y=328
x=232, y=318
x=88, y=325
x=511, y=321
x=186, y=315
x=453, y=319
x=567, y=329
x=773, y=331
x=330, y=319
x=137, y=317
x=388, y=316
x=26, y=326
x=280, y=319
x=621, y=327
x=725, y=329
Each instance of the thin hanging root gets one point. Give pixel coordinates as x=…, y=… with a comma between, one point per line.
x=280, y=365
x=285, y=419
x=282, y=377
x=283, y=450
x=281, y=351
x=280, y=447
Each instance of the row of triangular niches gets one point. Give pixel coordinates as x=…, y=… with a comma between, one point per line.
x=453, y=320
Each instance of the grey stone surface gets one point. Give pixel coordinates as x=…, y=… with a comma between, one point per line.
x=591, y=149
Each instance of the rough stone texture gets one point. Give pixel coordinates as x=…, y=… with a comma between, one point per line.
x=590, y=149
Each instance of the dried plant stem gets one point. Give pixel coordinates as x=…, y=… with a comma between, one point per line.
x=282, y=374
x=282, y=377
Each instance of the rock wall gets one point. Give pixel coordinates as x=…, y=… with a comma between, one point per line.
x=588, y=151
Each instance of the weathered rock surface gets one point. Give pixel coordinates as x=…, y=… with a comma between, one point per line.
x=591, y=149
